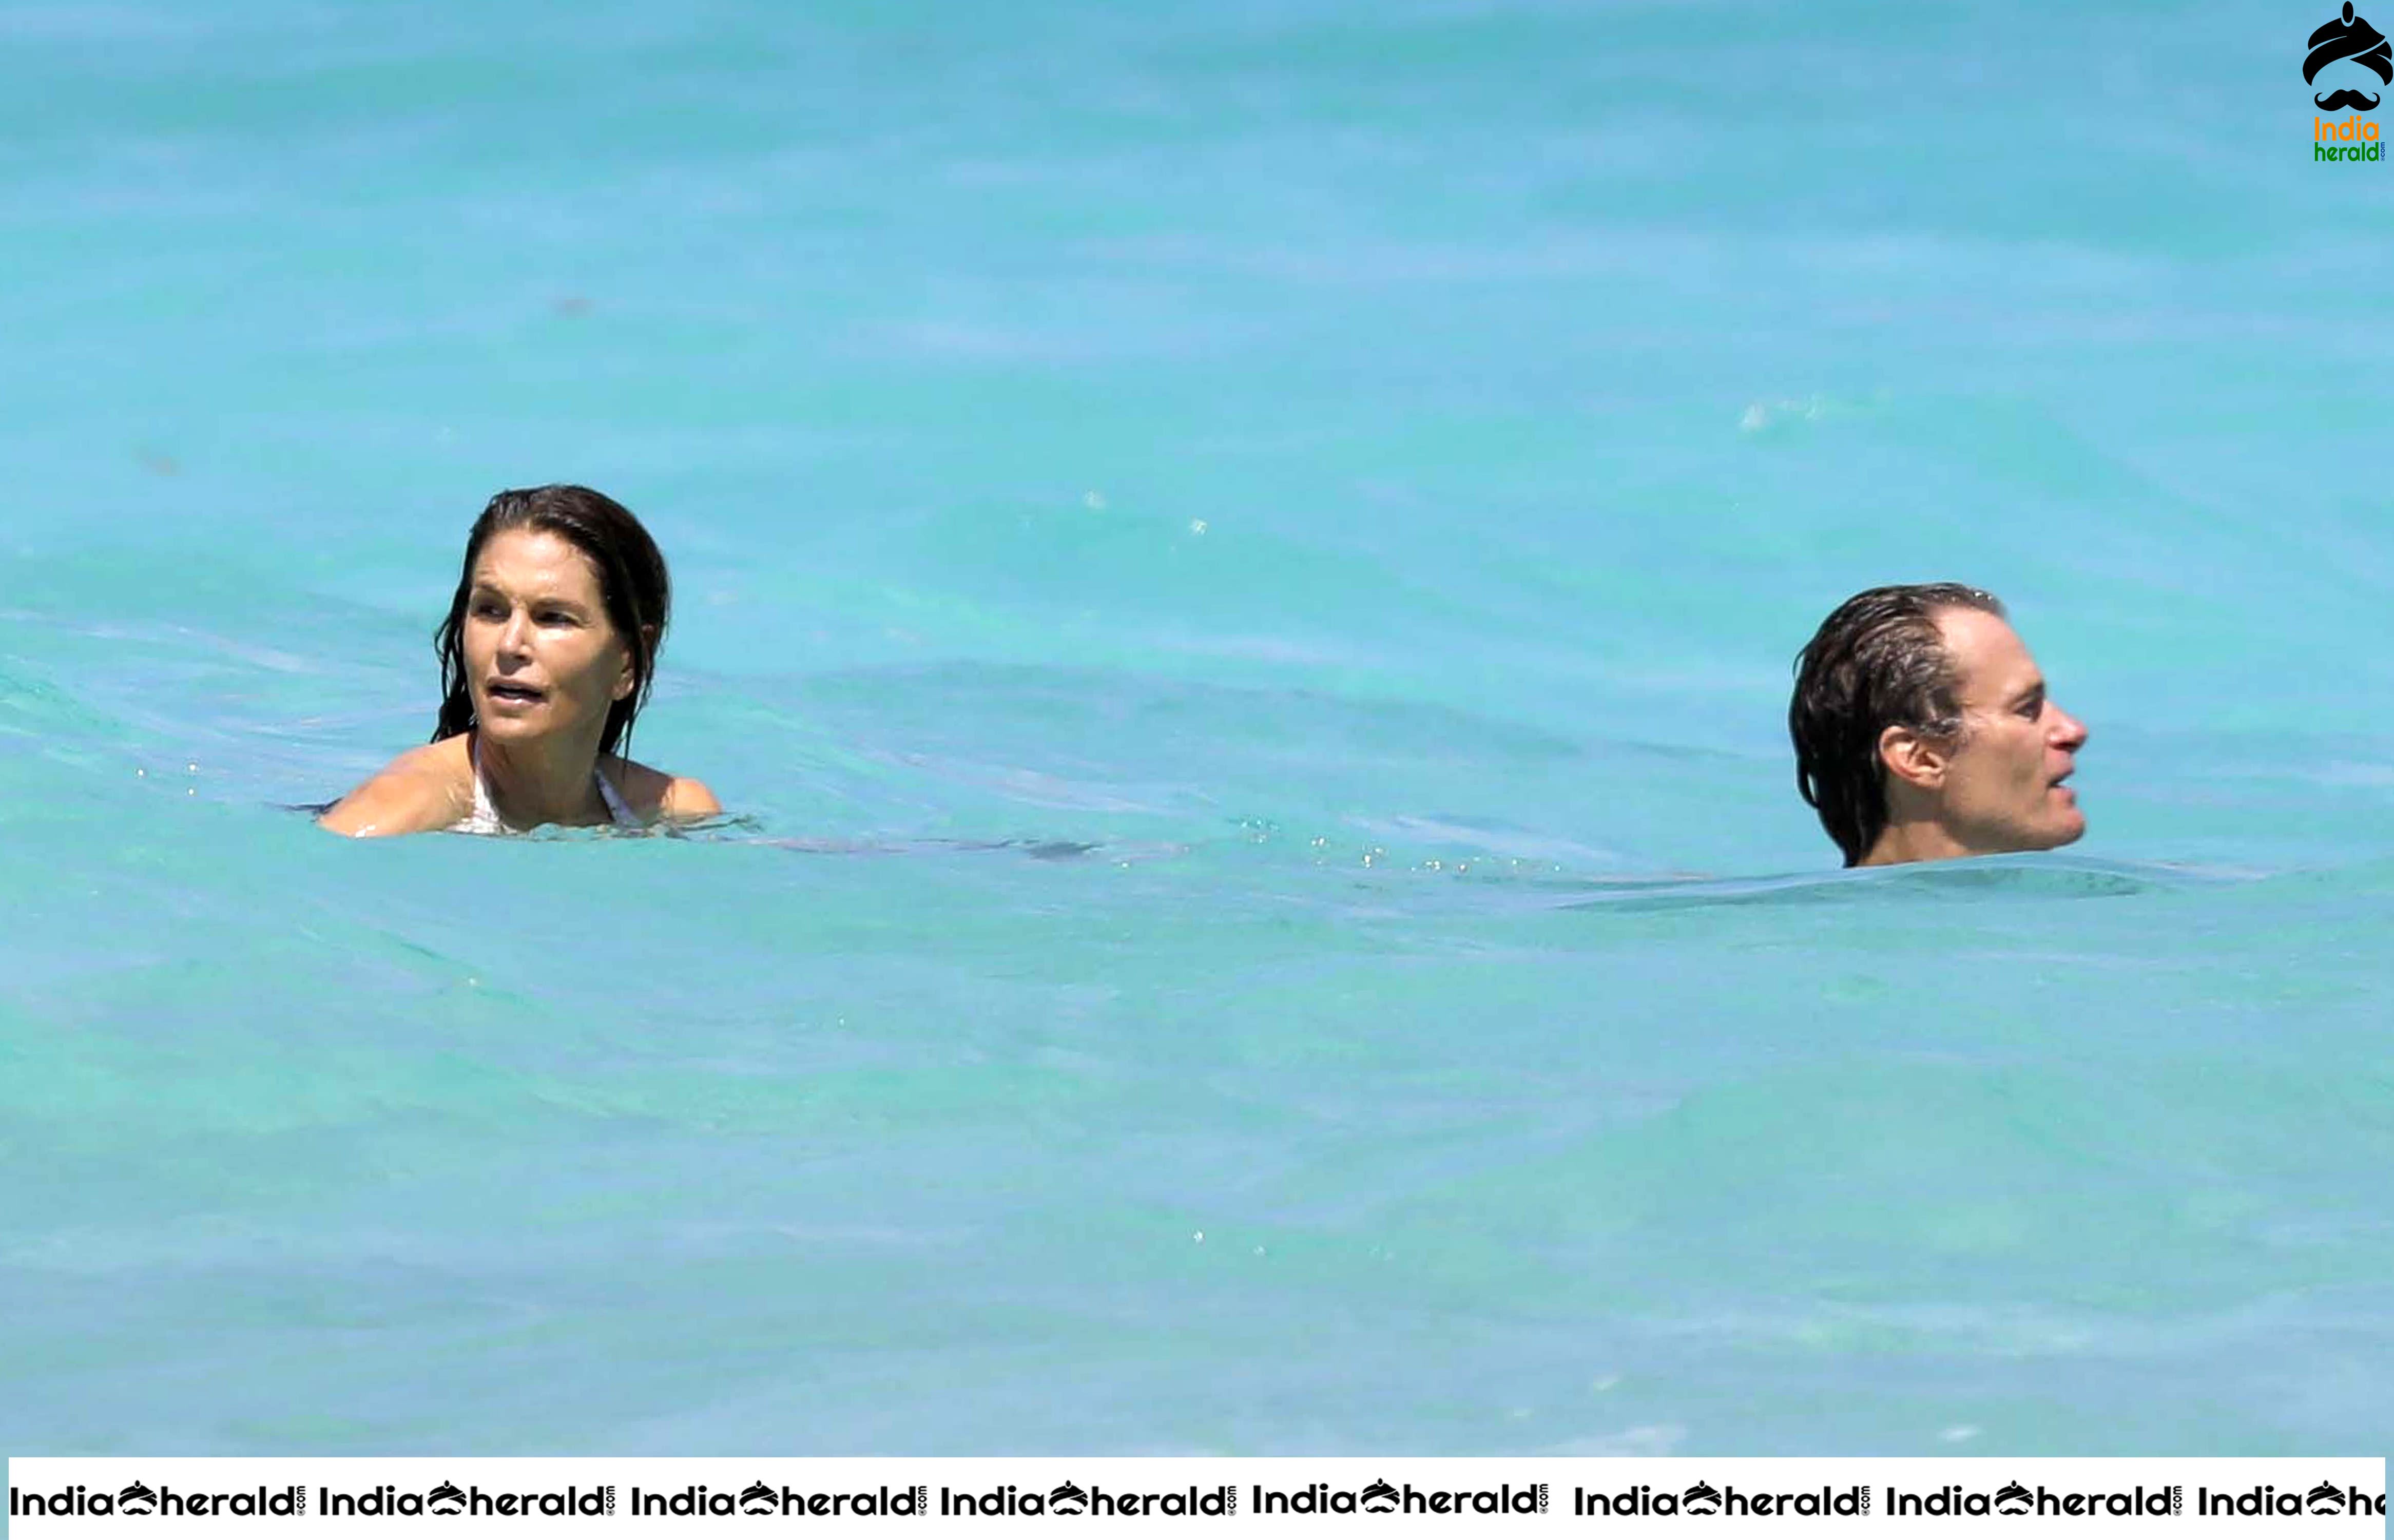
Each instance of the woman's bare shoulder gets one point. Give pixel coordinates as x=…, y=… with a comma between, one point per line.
x=652, y=794
x=425, y=788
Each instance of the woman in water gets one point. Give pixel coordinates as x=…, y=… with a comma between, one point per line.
x=545, y=659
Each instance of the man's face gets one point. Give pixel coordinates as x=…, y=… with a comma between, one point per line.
x=2002, y=789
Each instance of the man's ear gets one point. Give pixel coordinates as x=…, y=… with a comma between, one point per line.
x=1913, y=758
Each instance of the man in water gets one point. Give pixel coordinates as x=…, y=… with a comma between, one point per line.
x=1923, y=730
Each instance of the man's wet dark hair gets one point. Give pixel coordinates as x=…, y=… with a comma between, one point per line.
x=1877, y=661
x=632, y=583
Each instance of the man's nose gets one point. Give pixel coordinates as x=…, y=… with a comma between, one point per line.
x=2070, y=732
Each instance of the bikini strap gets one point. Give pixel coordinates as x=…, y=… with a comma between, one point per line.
x=484, y=818
x=617, y=807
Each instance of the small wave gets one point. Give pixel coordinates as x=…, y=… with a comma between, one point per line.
x=1037, y=849
x=747, y=829
x=1979, y=878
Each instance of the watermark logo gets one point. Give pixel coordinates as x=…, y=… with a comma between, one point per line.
x=2342, y=50
x=2326, y=1500
x=2014, y=1500
x=2349, y=37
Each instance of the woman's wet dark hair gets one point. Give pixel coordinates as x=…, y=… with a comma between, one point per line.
x=632, y=583
x=1877, y=661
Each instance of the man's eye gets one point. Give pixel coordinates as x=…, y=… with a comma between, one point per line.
x=2033, y=709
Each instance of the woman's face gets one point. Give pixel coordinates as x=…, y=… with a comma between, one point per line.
x=541, y=655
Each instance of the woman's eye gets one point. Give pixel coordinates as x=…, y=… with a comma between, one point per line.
x=490, y=611
x=554, y=617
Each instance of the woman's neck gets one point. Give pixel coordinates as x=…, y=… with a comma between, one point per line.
x=544, y=781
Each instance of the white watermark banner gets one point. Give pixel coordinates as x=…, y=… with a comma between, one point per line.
x=87, y=1499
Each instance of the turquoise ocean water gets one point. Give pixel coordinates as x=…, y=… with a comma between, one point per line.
x=1241, y=563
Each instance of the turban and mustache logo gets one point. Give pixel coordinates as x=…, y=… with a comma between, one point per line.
x=2353, y=38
